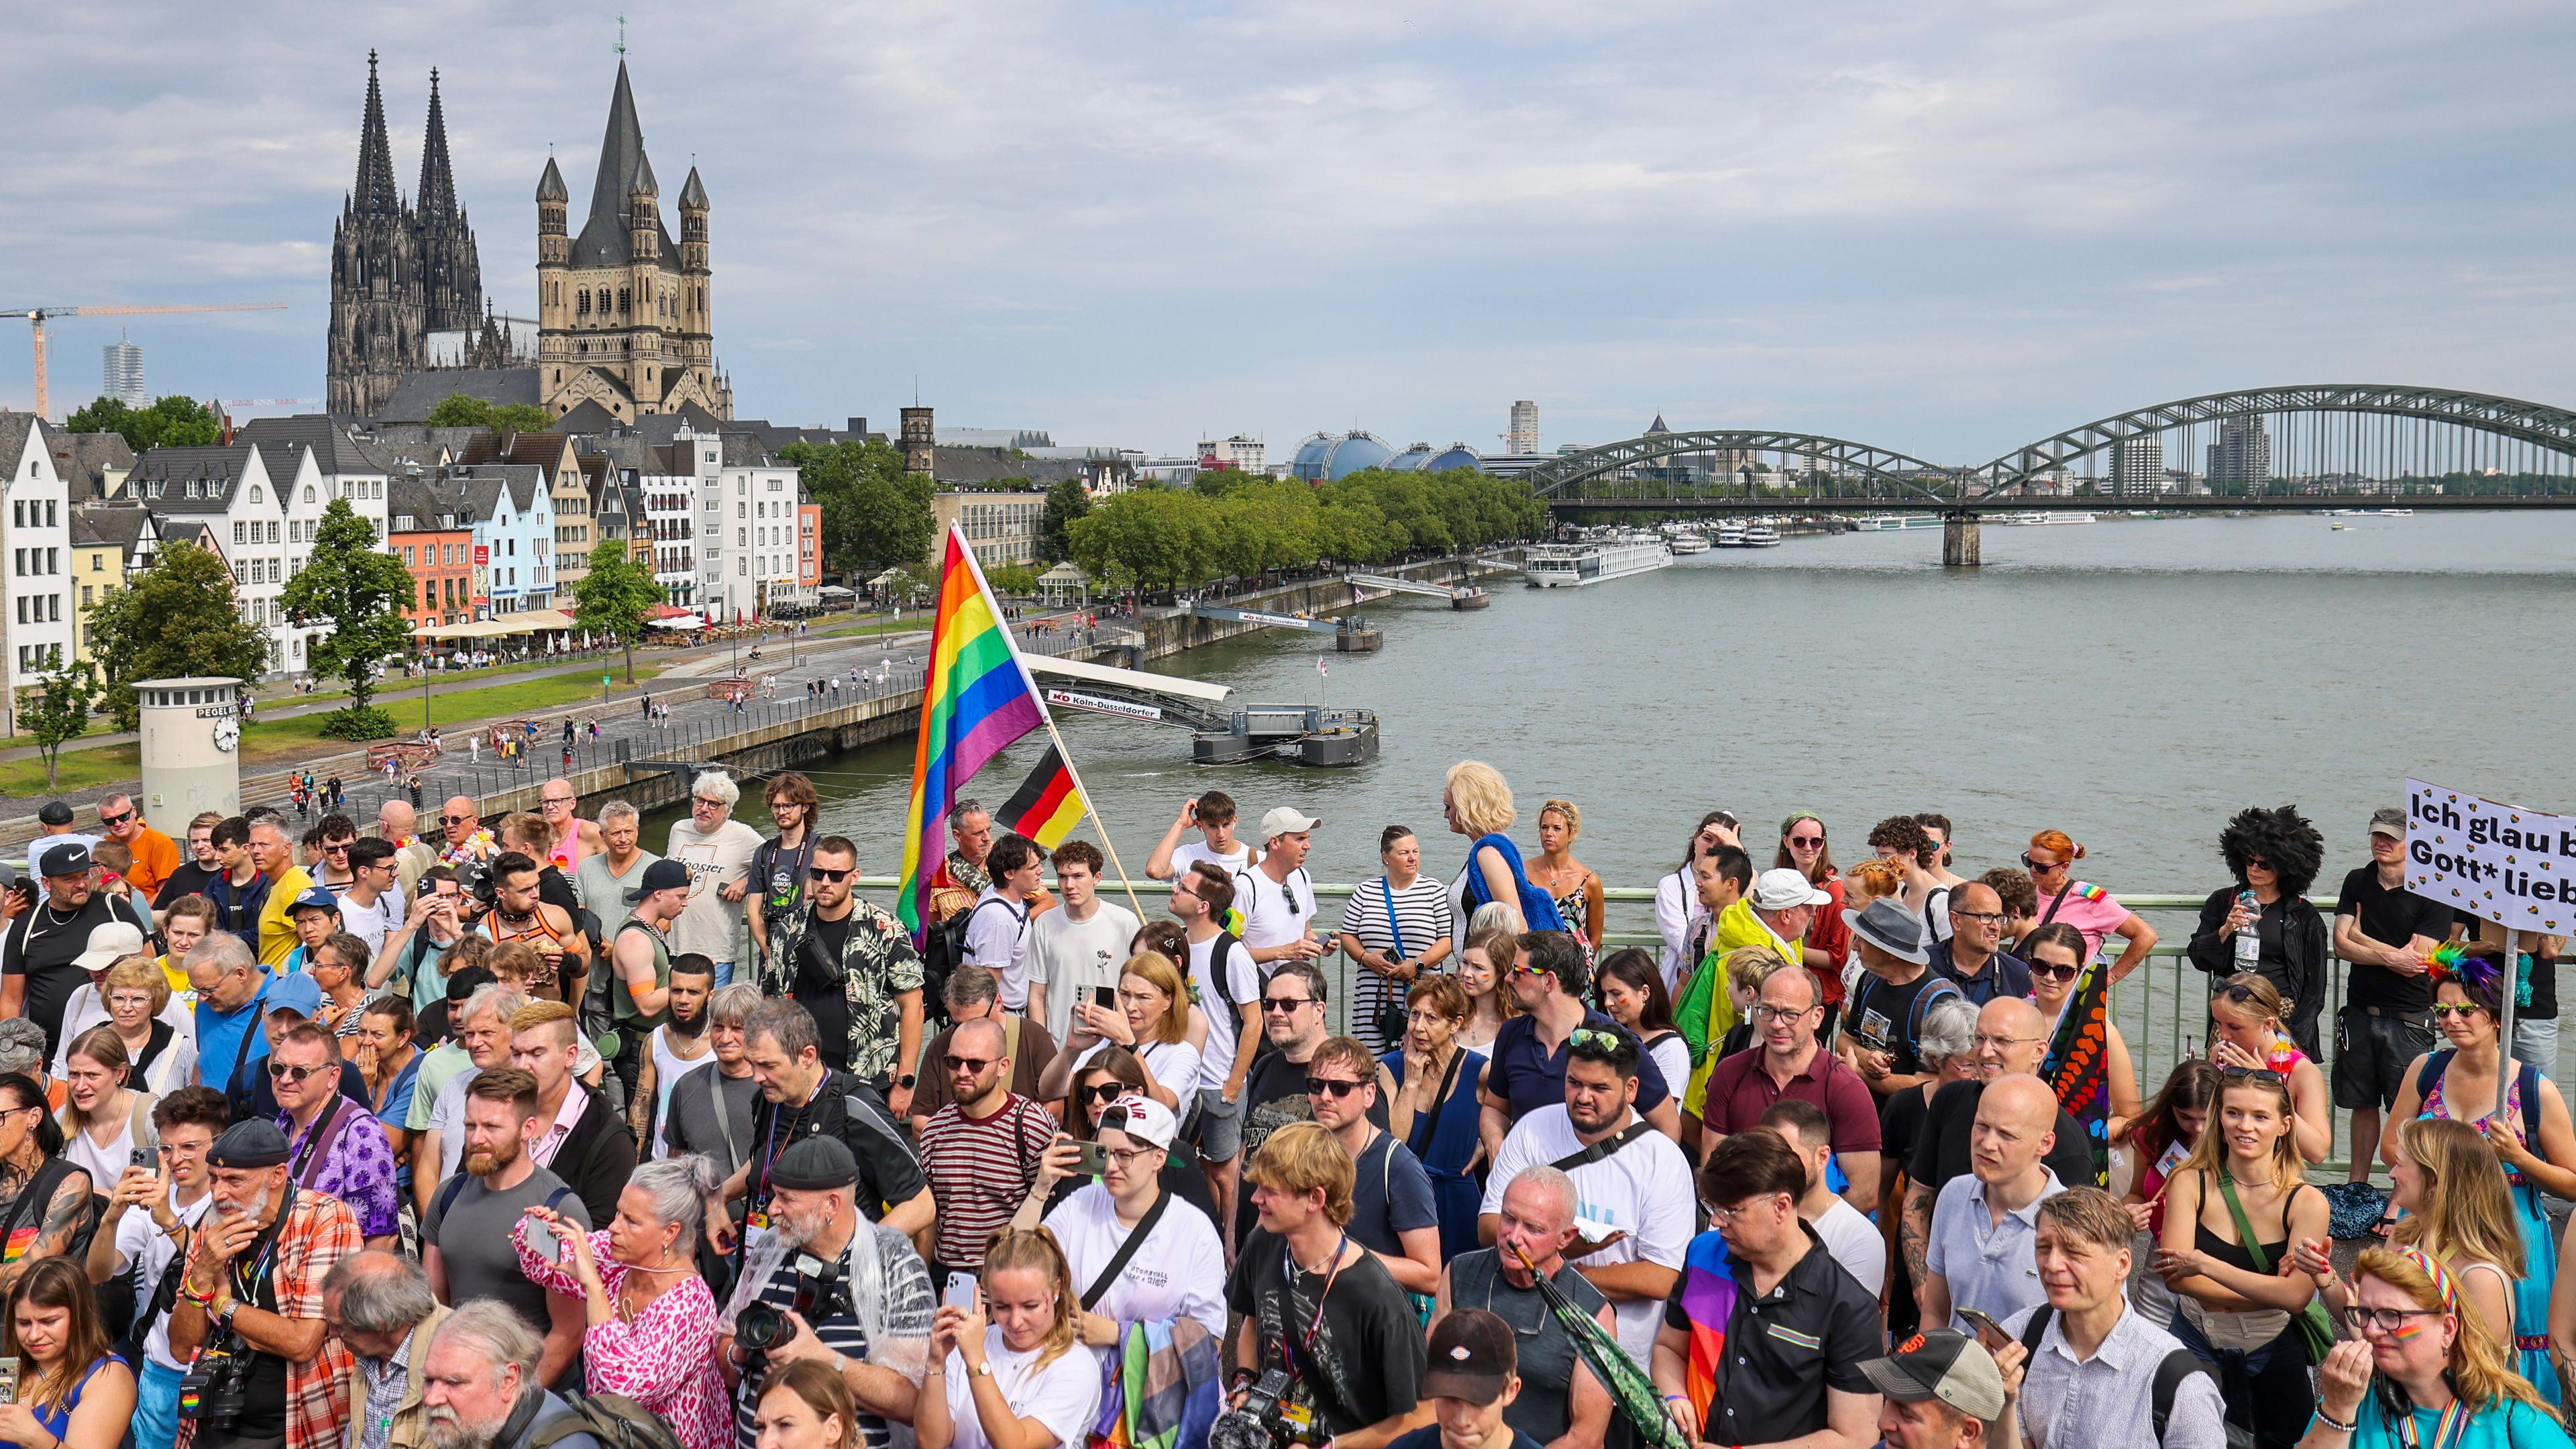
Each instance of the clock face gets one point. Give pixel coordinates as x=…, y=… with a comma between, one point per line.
x=227, y=734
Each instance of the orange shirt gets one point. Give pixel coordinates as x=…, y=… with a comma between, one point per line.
x=156, y=859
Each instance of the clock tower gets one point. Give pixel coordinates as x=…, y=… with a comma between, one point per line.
x=191, y=747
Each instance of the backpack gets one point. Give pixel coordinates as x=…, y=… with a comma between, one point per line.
x=1220, y=951
x=2178, y=1365
x=943, y=950
x=615, y=1420
x=1938, y=989
x=2526, y=1086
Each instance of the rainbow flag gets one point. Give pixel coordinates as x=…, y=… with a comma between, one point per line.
x=1048, y=803
x=978, y=699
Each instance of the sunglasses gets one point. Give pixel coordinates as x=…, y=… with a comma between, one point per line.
x=967, y=1064
x=1287, y=1004
x=1106, y=1092
x=2241, y=995
x=454, y=819
x=2255, y=862
x=340, y=849
x=2252, y=1074
x=280, y=1071
x=2057, y=973
x=835, y=876
x=1805, y=842
x=2040, y=867
x=1584, y=1036
x=117, y=819
x=2462, y=1009
x=1333, y=1087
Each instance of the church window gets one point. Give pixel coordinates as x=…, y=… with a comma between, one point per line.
x=582, y=305
x=621, y=301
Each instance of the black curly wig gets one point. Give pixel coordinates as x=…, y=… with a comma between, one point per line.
x=2282, y=839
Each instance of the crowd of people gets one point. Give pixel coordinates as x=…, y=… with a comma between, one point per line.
x=516, y=1134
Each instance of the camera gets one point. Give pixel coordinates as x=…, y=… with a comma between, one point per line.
x=476, y=877
x=1264, y=1422
x=216, y=1387
x=759, y=1328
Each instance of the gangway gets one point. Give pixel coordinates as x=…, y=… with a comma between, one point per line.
x=1466, y=597
x=1352, y=635
x=1304, y=734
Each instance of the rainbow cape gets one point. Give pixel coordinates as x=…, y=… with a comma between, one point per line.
x=978, y=698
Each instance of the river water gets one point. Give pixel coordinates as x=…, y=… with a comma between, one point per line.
x=2132, y=683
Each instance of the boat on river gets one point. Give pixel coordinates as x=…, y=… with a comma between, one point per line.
x=2037, y=519
x=1730, y=535
x=1575, y=565
x=1689, y=541
x=1761, y=535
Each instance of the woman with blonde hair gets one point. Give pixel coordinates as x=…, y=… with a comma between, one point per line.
x=1153, y=1019
x=2246, y=1035
x=104, y=1121
x=1477, y=803
x=1482, y=965
x=2452, y=1188
x=161, y=1054
x=2421, y=1371
x=1003, y=1374
x=1570, y=883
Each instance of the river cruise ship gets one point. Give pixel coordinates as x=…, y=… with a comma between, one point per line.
x=1573, y=565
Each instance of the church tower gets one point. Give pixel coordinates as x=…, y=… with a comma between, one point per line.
x=451, y=275
x=378, y=318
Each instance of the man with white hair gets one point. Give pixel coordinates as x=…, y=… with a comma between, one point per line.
x=481, y=1381
x=1561, y=1404
x=717, y=850
x=379, y=1305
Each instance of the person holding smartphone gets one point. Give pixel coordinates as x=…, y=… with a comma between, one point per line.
x=1005, y=1372
x=1138, y=1253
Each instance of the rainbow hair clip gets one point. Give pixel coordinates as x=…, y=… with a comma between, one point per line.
x=2444, y=963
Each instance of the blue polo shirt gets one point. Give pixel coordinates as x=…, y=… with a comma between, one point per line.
x=1529, y=1077
x=220, y=1038
x=2005, y=975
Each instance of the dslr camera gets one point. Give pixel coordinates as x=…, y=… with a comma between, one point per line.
x=217, y=1386
x=1265, y=1421
x=822, y=1294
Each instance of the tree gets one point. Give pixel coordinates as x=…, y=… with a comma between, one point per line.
x=358, y=592
x=1066, y=501
x=1016, y=580
x=171, y=422
x=456, y=410
x=617, y=596
x=176, y=620
x=56, y=711
x=875, y=515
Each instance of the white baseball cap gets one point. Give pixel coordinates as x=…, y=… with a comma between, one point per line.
x=1284, y=821
x=1783, y=888
x=1142, y=1118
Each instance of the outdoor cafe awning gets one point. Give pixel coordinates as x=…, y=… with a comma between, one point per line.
x=679, y=621
x=480, y=629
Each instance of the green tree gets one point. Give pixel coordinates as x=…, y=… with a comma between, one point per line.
x=875, y=515
x=1154, y=538
x=1017, y=580
x=56, y=711
x=456, y=410
x=176, y=620
x=359, y=592
x=617, y=596
x=1066, y=501
x=171, y=422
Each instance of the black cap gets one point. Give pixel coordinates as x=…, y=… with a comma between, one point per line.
x=661, y=875
x=248, y=1144
x=465, y=981
x=815, y=1164
x=65, y=860
x=1473, y=1357
x=54, y=813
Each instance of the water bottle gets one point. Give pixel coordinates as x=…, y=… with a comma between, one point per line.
x=2249, y=938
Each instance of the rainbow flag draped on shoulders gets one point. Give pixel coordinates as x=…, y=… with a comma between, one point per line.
x=977, y=699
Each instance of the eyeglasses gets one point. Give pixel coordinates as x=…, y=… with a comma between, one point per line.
x=2462, y=1009
x=697, y=800
x=967, y=1064
x=2000, y=1042
x=1767, y=1013
x=280, y=1071
x=550, y=802
x=117, y=819
x=1334, y=1087
x=2040, y=867
x=2384, y=1320
x=2061, y=973
x=835, y=876
x=1719, y=1217
x=1287, y=1004
x=1991, y=918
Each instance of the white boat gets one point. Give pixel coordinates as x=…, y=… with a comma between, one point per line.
x=1761, y=535
x=1574, y=565
x=1878, y=523
x=1688, y=543
x=2038, y=519
x=1730, y=535
x=2397, y=513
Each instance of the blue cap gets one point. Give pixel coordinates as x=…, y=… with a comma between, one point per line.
x=315, y=898
x=296, y=993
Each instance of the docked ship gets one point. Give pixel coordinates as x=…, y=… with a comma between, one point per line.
x=1895, y=522
x=1761, y=535
x=1688, y=541
x=1730, y=535
x=1573, y=565
x=2042, y=520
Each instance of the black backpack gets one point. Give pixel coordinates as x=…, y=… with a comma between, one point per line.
x=943, y=950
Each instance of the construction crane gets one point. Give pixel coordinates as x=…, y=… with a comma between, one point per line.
x=38, y=315
x=269, y=402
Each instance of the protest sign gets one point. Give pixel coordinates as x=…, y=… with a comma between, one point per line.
x=2498, y=862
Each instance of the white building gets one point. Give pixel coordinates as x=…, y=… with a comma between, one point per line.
x=1237, y=452
x=1521, y=434
x=2138, y=466
x=121, y=373
x=745, y=543
x=37, y=619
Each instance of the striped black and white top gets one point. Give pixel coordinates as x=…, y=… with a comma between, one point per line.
x=1422, y=916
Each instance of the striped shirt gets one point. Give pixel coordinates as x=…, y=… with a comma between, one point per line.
x=1421, y=917
x=908, y=1306
x=980, y=1171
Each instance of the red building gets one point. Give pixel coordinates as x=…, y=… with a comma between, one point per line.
x=436, y=543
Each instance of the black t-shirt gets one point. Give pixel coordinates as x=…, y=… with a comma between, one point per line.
x=1786, y=1348
x=1359, y=1362
x=1274, y=1095
x=2392, y=918
x=1883, y=1018
x=2543, y=1005
x=822, y=987
x=1941, y=1149
x=42, y=946
x=263, y=1412
x=1900, y=1124
x=188, y=880
x=888, y=1171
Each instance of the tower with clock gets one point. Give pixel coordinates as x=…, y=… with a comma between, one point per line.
x=191, y=747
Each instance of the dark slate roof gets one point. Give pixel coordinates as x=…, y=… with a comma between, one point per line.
x=191, y=531
x=13, y=440
x=591, y=420
x=217, y=470
x=122, y=523
x=399, y=444
x=644, y=176
x=418, y=392
x=993, y=465
x=85, y=459
x=1657, y=428
x=334, y=451
x=483, y=483
x=621, y=156
x=425, y=499
x=693, y=195
x=550, y=186
x=542, y=449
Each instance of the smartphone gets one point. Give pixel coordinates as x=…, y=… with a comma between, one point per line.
x=541, y=1241
x=1985, y=1325
x=1105, y=997
x=8, y=1381
x=961, y=1292
x=139, y=1157
x=1091, y=1158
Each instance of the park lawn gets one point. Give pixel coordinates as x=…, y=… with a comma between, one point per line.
x=302, y=734
x=82, y=770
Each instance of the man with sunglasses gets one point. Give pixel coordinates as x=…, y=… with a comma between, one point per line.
x=336, y=1146
x=467, y=841
x=973, y=994
x=156, y=856
x=1293, y=1025
x=40, y=955
x=1973, y=957
x=981, y=1152
x=1391, y=1210
x=854, y=967
x=1526, y=1067
x=337, y=832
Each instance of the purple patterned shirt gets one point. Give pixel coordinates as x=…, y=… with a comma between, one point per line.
x=358, y=1167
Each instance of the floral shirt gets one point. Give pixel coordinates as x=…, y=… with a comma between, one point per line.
x=318, y=1232
x=663, y=1359
x=357, y=1167
x=878, y=963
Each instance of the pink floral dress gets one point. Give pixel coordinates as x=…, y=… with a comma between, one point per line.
x=664, y=1359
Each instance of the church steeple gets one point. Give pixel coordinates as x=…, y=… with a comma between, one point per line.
x=436, y=197
x=374, y=193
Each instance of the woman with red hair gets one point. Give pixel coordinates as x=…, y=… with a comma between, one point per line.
x=2087, y=907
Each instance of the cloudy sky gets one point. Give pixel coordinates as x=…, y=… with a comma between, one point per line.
x=1944, y=228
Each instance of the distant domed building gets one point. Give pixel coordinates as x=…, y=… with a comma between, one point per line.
x=1423, y=458
x=1325, y=456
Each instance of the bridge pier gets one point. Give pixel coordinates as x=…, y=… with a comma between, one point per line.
x=1962, y=546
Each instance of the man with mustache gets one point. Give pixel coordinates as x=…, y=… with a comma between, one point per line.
x=481, y=1389
x=465, y=1236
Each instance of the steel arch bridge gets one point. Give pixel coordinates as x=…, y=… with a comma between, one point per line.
x=1609, y=473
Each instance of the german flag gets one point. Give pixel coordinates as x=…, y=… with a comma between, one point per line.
x=1046, y=807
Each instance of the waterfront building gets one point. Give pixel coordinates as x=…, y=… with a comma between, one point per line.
x=225, y=496
x=110, y=540
x=400, y=270
x=36, y=618
x=2241, y=460
x=809, y=549
x=1324, y=456
x=1001, y=523
x=554, y=454
x=1237, y=452
x=121, y=373
x=1520, y=435
x=510, y=509
x=434, y=541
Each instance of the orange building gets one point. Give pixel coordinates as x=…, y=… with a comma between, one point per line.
x=436, y=542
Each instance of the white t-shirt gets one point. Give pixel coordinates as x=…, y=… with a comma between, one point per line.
x=1175, y=1065
x=1072, y=957
x=1855, y=1243
x=136, y=1237
x=1274, y=912
x=447, y=1119
x=1644, y=1188
x=1178, y=1273
x=1190, y=853
x=1677, y=910
x=1064, y=1396
x=710, y=925
x=998, y=941
x=372, y=924
x=1225, y=1021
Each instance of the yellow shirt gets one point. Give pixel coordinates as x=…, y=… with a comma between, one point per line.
x=1737, y=928
x=277, y=939
x=178, y=975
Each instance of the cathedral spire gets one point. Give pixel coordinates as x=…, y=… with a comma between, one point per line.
x=436, y=196
x=375, y=189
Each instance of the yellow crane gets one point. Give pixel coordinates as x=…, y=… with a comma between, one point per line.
x=38, y=315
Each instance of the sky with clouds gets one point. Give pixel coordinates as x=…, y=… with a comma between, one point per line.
x=1945, y=229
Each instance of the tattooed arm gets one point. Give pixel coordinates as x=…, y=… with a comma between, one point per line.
x=1917, y=1231
x=63, y=1217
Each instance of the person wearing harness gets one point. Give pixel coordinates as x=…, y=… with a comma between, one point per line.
x=237, y=888
x=779, y=864
x=519, y=914
x=640, y=959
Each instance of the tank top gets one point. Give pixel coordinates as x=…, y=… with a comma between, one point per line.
x=57, y=1418
x=622, y=1001
x=2252, y=1328
x=668, y=1069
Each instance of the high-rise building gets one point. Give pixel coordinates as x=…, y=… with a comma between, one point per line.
x=122, y=373
x=2138, y=466
x=2241, y=460
x=1522, y=436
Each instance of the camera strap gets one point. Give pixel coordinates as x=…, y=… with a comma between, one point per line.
x=1305, y=1342
x=1127, y=1251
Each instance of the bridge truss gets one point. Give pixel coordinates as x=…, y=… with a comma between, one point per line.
x=1799, y=464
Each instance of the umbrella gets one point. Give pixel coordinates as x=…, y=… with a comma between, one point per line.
x=1630, y=1387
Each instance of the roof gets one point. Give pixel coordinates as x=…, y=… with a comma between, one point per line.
x=550, y=186
x=215, y=469
x=13, y=440
x=693, y=195
x=407, y=443
x=604, y=232
x=193, y=531
x=418, y=392
x=506, y=446
x=430, y=504
x=334, y=452
x=85, y=459
x=483, y=483
x=123, y=523
x=994, y=465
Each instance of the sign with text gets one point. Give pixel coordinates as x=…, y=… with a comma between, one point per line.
x=2498, y=862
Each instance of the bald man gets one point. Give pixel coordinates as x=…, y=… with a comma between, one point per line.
x=462, y=822
x=1985, y=1226
x=2012, y=1041
x=398, y=822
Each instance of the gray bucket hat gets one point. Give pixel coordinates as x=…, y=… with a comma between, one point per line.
x=1889, y=926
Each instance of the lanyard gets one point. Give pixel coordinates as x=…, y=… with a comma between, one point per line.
x=243, y=1286
x=1289, y=1270
x=313, y=1139
x=769, y=1149
x=2446, y=1430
